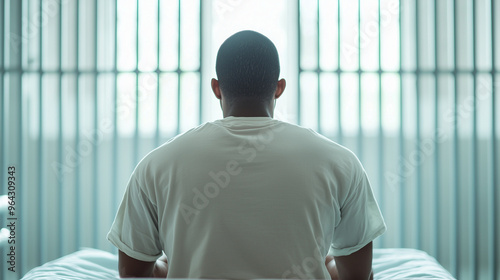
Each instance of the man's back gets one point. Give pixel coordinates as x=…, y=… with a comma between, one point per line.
x=248, y=197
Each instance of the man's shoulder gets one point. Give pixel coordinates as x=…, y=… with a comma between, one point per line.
x=336, y=153
x=320, y=141
x=184, y=138
x=174, y=147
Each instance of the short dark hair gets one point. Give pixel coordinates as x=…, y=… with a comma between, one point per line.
x=248, y=67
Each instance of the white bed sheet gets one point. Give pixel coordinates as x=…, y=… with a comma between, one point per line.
x=96, y=264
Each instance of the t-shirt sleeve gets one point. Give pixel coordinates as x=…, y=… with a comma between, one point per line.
x=135, y=229
x=361, y=220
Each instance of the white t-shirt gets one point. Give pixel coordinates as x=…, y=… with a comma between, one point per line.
x=247, y=197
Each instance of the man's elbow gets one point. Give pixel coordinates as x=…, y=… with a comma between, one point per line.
x=129, y=267
x=127, y=274
x=357, y=265
x=360, y=276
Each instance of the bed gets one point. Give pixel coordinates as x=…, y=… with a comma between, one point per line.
x=96, y=264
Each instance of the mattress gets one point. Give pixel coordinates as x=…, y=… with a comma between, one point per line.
x=96, y=264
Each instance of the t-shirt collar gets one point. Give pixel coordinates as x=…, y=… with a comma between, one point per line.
x=232, y=121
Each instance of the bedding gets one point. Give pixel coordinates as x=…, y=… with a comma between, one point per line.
x=96, y=264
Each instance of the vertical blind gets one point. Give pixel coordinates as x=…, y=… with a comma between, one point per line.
x=87, y=88
x=412, y=88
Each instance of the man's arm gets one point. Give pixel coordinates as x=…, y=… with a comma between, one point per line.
x=130, y=267
x=357, y=265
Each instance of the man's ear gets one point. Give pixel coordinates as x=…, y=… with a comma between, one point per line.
x=216, y=88
x=280, y=88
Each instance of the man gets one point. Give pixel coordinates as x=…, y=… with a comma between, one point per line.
x=248, y=196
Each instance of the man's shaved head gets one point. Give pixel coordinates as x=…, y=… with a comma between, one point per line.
x=247, y=67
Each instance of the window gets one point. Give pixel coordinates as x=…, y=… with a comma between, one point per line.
x=87, y=88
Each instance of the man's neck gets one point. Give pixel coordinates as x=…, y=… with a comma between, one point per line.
x=248, y=111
